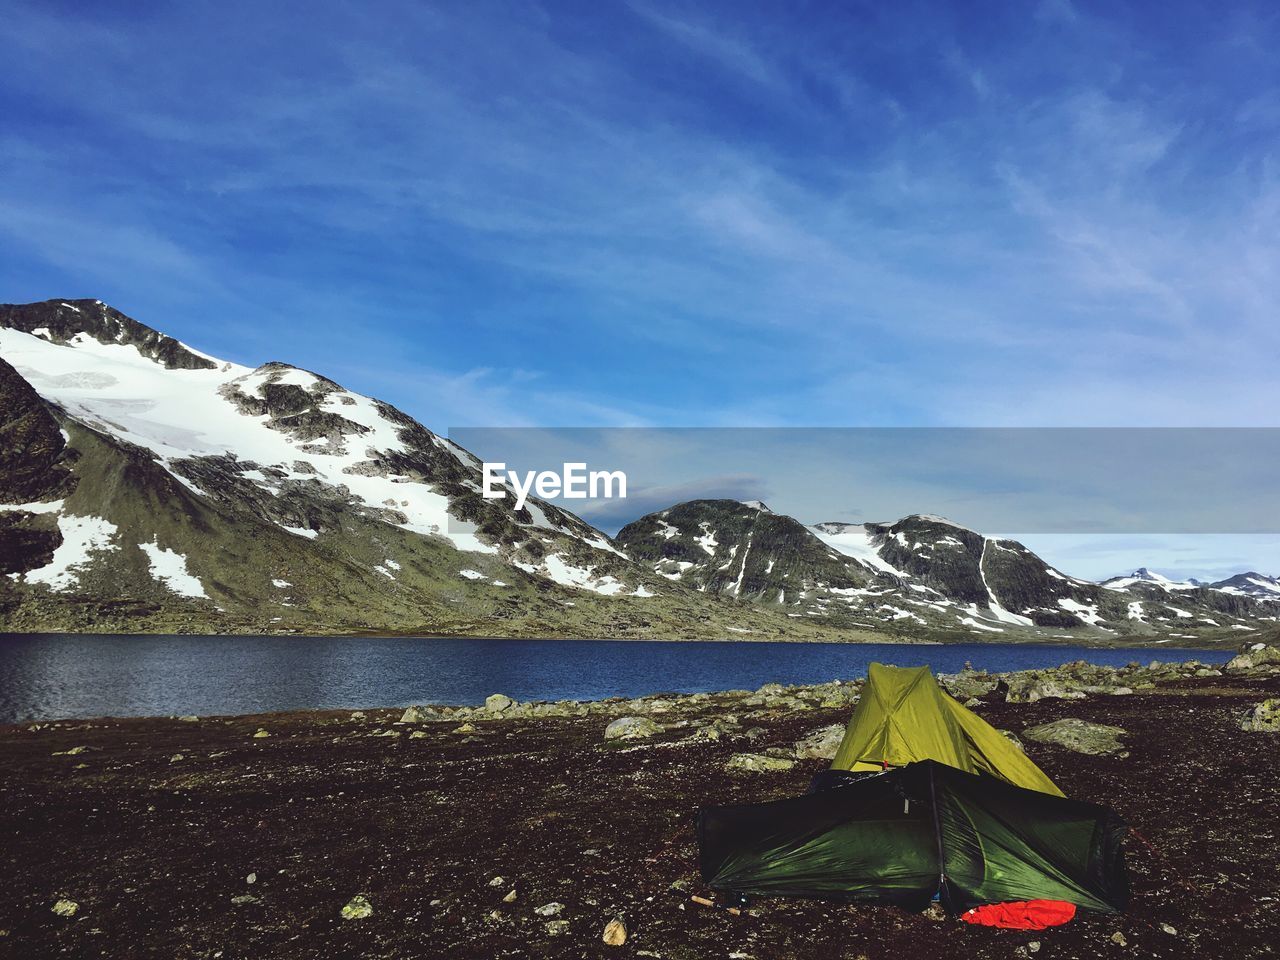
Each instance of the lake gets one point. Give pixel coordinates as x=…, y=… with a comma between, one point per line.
x=78, y=675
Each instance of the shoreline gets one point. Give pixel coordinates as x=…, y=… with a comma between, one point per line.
x=1130, y=641
x=548, y=687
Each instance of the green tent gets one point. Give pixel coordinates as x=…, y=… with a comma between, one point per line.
x=904, y=716
x=905, y=835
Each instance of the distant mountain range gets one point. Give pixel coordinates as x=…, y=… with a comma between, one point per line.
x=922, y=573
x=145, y=486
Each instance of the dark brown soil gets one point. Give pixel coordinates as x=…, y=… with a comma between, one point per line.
x=155, y=852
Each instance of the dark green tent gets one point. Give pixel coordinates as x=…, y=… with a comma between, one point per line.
x=902, y=836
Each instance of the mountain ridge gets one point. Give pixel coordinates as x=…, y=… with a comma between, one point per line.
x=146, y=485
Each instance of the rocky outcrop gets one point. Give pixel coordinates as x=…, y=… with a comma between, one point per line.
x=1264, y=718
x=1079, y=736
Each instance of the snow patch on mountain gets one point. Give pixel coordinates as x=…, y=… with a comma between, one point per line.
x=854, y=540
x=170, y=568
x=81, y=538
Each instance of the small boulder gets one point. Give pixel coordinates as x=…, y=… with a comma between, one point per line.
x=1264, y=718
x=65, y=908
x=412, y=715
x=1080, y=736
x=556, y=928
x=358, y=908
x=615, y=932
x=821, y=744
x=465, y=728
x=631, y=728
x=552, y=909
x=497, y=702
x=756, y=763
x=261, y=733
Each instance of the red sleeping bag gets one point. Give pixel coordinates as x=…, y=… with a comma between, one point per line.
x=1021, y=914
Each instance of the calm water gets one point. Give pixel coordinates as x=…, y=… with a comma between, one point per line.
x=53, y=676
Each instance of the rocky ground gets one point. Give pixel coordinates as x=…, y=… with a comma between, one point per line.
x=525, y=830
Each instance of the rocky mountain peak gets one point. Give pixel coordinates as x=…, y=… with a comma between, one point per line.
x=62, y=321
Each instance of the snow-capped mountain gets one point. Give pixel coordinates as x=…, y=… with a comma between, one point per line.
x=143, y=478
x=919, y=574
x=146, y=486
x=1143, y=575
x=1250, y=584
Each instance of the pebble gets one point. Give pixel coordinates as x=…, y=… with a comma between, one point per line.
x=556, y=927
x=496, y=882
x=552, y=909
x=65, y=908
x=260, y=734
x=510, y=897
x=1120, y=939
x=615, y=932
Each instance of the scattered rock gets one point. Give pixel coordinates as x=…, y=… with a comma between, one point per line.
x=556, y=928
x=497, y=702
x=411, y=715
x=615, y=932
x=465, y=728
x=417, y=735
x=1029, y=689
x=756, y=763
x=241, y=899
x=510, y=897
x=1169, y=929
x=1080, y=736
x=552, y=909
x=1265, y=717
x=1119, y=939
x=1253, y=655
x=821, y=744
x=631, y=728
x=496, y=882
x=358, y=908
x=65, y=908
x=176, y=758
x=935, y=912
x=251, y=878
x=190, y=718
x=261, y=732
x=73, y=752
x=967, y=685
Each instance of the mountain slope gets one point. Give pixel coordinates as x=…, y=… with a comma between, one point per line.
x=148, y=485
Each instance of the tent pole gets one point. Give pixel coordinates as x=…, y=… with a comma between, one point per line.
x=937, y=833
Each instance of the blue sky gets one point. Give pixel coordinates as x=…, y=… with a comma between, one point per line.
x=669, y=214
